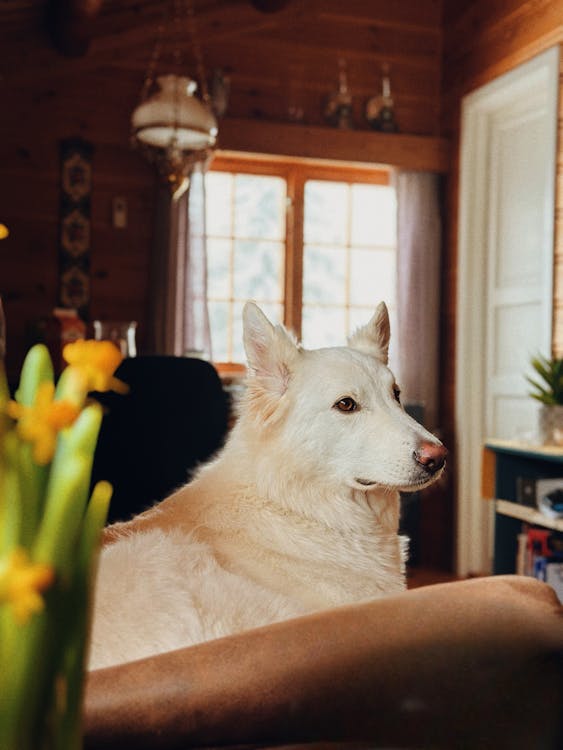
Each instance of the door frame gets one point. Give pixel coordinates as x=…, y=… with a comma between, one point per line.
x=474, y=516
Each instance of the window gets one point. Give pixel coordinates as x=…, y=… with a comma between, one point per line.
x=246, y=253
x=314, y=246
x=348, y=258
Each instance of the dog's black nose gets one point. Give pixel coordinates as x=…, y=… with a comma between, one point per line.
x=431, y=455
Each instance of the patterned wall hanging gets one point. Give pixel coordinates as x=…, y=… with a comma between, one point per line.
x=74, y=242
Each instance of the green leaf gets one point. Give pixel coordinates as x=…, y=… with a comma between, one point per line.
x=550, y=391
x=37, y=368
x=68, y=488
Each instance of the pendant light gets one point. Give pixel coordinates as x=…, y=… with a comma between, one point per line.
x=171, y=126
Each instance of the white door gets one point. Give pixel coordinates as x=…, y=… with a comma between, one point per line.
x=507, y=200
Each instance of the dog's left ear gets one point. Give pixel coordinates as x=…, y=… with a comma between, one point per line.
x=270, y=350
x=373, y=338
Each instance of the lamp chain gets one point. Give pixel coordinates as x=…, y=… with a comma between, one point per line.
x=189, y=12
x=192, y=31
x=153, y=60
x=162, y=126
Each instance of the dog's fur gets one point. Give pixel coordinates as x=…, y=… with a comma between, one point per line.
x=299, y=512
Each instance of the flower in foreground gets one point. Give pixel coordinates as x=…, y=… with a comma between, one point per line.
x=22, y=582
x=95, y=362
x=41, y=422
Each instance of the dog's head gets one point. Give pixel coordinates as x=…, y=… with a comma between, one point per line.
x=336, y=412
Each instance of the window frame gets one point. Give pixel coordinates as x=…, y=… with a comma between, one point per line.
x=296, y=172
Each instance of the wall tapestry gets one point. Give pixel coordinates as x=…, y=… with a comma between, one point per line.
x=74, y=234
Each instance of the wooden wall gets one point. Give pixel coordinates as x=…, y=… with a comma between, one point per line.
x=275, y=62
x=482, y=40
x=37, y=112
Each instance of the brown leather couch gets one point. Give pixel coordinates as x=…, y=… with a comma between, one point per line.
x=471, y=664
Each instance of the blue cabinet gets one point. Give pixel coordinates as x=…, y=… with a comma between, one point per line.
x=505, y=465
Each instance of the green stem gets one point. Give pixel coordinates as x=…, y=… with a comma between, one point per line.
x=10, y=495
x=67, y=490
x=69, y=736
x=36, y=369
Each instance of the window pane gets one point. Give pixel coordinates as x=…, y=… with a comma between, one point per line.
x=218, y=214
x=372, y=276
x=218, y=268
x=323, y=326
x=258, y=270
x=274, y=313
x=348, y=255
x=259, y=207
x=374, y=215
x=219, y=321
x=246, y=253
x=327, y=211
x=324, y=275
x=238, y=354
x=342, y=283
x=359, y=316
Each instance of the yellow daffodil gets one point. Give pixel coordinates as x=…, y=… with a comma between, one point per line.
x=96, y=361
x=40, y=423
x=22, y=582
x=49, y=533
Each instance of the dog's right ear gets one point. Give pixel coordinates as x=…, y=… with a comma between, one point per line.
x=373, y=338
x=270, y=350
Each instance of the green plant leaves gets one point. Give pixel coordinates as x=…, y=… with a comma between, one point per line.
x=548, y=388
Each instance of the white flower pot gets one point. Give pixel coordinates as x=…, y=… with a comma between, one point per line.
x=551, y=424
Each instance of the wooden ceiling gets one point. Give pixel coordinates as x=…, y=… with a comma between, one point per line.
x=281, y=65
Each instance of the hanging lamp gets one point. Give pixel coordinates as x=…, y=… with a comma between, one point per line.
x=171, y=126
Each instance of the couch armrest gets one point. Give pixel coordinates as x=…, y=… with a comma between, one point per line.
x=472, y=664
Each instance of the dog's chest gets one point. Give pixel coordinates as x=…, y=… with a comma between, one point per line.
x=310, y=563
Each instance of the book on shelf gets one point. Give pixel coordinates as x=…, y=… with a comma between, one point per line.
x=540, y=555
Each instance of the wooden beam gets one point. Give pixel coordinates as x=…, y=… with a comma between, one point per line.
x=354, y=146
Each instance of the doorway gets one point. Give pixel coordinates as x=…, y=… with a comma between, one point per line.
x=505, y=282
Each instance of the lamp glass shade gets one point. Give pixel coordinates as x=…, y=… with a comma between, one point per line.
x=174, y=116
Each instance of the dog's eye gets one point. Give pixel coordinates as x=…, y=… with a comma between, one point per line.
x=346, y=404
x=397, y=393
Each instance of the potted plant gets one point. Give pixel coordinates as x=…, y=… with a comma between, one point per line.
x=548, y=390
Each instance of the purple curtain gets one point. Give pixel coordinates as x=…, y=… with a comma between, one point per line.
x=179, y=315
x=418, y=289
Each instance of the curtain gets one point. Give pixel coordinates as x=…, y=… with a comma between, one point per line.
x=179, y=316
x=418, y=289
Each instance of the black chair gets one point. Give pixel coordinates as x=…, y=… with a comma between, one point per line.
x=173, y=419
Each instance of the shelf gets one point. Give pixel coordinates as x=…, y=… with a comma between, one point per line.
x=528, y=515
x=543, y=452
x=416, y=152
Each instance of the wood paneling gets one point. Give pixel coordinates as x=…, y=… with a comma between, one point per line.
x=293, y=52
x=276, y=62
x=31, y=129
x=408, y=151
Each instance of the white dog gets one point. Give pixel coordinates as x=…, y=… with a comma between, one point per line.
x=299, y=511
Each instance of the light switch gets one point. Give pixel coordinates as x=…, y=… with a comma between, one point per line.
x=119, y=212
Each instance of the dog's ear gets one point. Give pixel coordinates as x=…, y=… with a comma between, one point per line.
x=270, y=350
x=373, y=338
